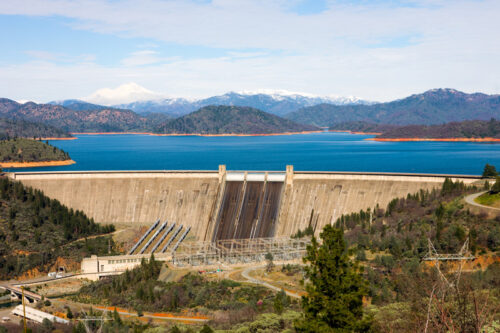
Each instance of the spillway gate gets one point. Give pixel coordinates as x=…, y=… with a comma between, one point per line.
x=250, y=205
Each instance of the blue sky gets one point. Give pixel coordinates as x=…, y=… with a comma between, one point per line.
x=378, y=49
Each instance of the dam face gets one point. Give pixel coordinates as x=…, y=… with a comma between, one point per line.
x=227, y=205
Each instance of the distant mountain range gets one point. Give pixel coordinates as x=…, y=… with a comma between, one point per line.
x=79, y=105
x=223, y=119
x=276, y=102
x=105, y=119
x=436, y=106
x=78, y=116
x=11, y=128
x=465, y=129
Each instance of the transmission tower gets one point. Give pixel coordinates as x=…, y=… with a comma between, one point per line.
x=97, y=320
x=437, y=258
x=461, y=257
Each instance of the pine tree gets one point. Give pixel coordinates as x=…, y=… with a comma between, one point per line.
x=281, y=301
x=206, y=329
x=496, y=187
x=489, y=171
x=335, y=290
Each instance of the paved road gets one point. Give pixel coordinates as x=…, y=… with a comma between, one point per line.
x=250, y=279
x=470, y=200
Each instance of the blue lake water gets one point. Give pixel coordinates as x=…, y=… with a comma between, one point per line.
x=308, y=152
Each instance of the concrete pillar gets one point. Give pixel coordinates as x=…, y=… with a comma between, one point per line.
x=222, y=172
x=289, y=175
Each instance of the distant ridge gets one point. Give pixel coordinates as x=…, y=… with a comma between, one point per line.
x=78, y=105
x=469, y=129
x=97, y=119
x=275, y=102
x=222, y=119
x=11, y=128
x=436, y=106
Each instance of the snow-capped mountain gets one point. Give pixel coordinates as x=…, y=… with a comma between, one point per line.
x=126, y=93
x=139, y=99
x=275, y=102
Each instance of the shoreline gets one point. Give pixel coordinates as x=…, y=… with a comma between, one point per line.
x=8, y=165
x=354, y=132
x=434, y=139
x=192, y=134
x=53, y=138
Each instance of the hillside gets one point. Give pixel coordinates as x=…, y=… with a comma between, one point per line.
x=231, y=119
x=435, y=106
x=36, y=232
x=10, y=128
x=27, y=150
x=464, y=129
x=94, y=120
x=363, y=127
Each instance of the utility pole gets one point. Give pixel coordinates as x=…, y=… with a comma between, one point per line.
x=24, y=310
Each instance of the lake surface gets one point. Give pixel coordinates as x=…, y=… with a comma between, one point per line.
x=308, y=152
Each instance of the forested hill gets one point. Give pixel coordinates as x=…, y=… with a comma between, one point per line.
x=231, y=120
x=362, y=126
x=11, y=128
x=464, y=129
x=36, y=231
x=27, y=150
x=103, y=119
x=435, y=106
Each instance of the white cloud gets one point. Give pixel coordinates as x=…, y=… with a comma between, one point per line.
x=341, y=51
x=144, y=57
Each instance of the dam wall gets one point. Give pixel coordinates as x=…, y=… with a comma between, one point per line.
x=317, y=199
x=134, y=197
x=227, y=205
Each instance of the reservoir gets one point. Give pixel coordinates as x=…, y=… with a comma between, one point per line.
x=306, y=152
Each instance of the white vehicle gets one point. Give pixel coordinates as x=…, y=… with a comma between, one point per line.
x=52, y=274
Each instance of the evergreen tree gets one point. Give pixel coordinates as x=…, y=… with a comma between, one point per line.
x=206, y=329
x=496, y=187
x=270, y=264
x=69, y=314
x=335, y=290
x=175, y=329
x=281, y=301
x=489, y=171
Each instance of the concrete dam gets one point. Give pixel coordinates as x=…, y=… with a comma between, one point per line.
x=218, y=205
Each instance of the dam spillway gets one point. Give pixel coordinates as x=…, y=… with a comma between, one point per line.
x=227, y=204
x=250, y=206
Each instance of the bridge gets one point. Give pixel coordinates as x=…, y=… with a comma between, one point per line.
x=17, y=293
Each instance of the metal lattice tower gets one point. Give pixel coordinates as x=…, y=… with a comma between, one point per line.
x=437, y=258
x=462, y=256
x=99, y=320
